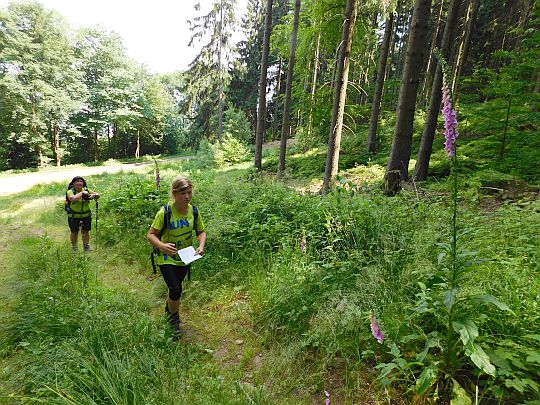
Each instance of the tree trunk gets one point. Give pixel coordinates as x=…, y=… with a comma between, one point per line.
x=426, y=144
x=458, y=39
x=366, y=80
x=220, y=100
x=41, y=159
x=401, y=145
x=96, y=145
x=503, y=143
x=286, y=127
x=524, y=7
x=401, y=44
x=535, y=105
x=314, y=84
x=276, y=104
x=138, y=148
x=340, y=95
x=303, y=107
x=381, y=69
x=432, y=63
x=471, y=17
x=261, y=111
x=110, y=154
x=56, y=145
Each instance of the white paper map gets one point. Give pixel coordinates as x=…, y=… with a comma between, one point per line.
x=187, y=255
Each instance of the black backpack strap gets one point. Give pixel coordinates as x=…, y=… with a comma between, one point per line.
x=195, y=217
x=67, y=205
x=167, y=217
x=154, y=270
x=167, y=213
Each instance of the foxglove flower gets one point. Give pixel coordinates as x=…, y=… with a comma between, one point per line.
x=303, y=244
x=375, y=330
x=327, y=401
x=450, y=122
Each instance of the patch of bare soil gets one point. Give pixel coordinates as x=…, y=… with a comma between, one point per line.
x=495, y=194
x=30, y=207
x=226, y=332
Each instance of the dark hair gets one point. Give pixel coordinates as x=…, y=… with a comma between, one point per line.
x=70, y=185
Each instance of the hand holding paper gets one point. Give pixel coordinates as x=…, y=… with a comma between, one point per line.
x=187, y=255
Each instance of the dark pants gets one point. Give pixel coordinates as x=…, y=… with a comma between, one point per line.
x=174, y=276
x=76, y=223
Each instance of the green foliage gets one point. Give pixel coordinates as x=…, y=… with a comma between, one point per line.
x=133, y=207
x=229, y=151
x=236, y=124
x=64, y=322
x=447, y=319
x=309, y=269
x=363, y=254
x=79, y=98
x=38, y=93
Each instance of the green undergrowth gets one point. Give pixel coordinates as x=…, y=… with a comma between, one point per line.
x=75, y=339
x=289, y=282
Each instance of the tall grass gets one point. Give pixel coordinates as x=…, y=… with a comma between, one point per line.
x=93, y=319
x=74, y=340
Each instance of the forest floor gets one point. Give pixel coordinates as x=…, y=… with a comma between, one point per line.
x=224, y=331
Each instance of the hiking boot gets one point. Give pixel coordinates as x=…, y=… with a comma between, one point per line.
x=87, y=248
x=174, y=320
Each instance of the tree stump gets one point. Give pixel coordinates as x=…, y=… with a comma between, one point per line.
x=392, y=183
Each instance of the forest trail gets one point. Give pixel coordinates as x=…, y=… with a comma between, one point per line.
x=17, y=183
x=215, y=329
x=17, y=228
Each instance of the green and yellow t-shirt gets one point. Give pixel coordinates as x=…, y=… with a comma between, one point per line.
x=180, y=232
x=78, y=209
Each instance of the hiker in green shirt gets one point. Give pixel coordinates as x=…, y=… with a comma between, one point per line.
x=78, y=209
x=183, y=219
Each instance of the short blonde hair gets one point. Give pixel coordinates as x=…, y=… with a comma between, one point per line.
x=179, y=184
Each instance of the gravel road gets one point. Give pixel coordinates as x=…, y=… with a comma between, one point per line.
x=20, y=182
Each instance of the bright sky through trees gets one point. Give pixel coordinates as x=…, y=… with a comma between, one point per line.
x=155, y=33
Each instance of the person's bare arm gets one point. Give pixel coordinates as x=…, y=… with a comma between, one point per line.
x=77, y=197
x=202, y=241
x=167, y=248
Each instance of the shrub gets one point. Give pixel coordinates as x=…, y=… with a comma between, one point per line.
x=230, y=151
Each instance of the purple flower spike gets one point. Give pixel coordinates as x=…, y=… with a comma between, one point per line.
x=158, y=180
x=377, y=334
x=303, y=244
x=327, y=401
x=450, y=122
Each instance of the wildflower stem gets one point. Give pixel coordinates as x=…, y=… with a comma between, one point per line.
x=454, y=214
x=449, y=330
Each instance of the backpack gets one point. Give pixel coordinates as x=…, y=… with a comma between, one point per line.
x=166, y=223
x=67, y=203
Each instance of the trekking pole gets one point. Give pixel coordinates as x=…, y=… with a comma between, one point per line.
x=97, y=211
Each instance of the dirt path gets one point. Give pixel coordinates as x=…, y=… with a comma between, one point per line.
x=20, y=182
